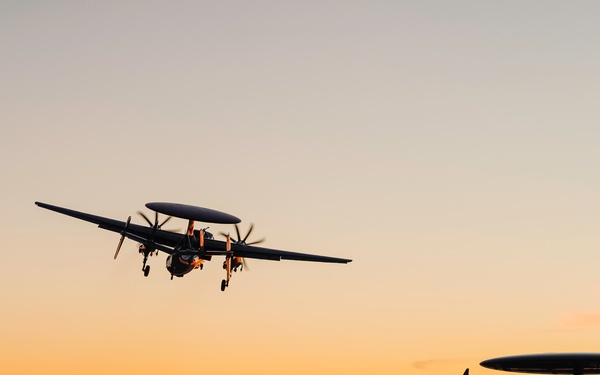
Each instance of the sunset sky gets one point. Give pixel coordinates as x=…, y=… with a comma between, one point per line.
x=451, y=149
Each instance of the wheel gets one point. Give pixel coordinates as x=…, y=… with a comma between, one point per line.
x=146, y=271
x=223, y=285
x=201, y=267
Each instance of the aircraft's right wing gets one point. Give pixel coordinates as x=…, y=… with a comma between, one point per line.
x=135, y=232
x=218, y=248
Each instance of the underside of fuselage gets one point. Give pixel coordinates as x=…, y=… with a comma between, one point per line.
x=180, y=264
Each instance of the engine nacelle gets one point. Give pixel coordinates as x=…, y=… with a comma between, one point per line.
x=236, y=262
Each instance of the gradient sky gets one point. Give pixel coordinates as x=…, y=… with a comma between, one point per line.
x=450, y=148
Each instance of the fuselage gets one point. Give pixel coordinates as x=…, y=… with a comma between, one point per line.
x=179, y=264
x=182, y=262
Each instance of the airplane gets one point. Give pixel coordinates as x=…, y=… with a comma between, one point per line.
x=189, y=251
x=547, y=363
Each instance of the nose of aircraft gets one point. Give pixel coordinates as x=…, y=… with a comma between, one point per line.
x=490, y=363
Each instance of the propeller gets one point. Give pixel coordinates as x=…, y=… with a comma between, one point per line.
x=122, y=237
x=154, y=225
x=240, y=241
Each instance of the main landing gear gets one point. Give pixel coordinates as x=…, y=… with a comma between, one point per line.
x=145, y=268
x=224, y=284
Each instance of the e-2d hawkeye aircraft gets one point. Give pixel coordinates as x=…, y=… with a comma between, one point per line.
x=188, y=251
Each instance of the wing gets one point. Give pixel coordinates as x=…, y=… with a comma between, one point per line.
x=214, y=247
x=135, y=232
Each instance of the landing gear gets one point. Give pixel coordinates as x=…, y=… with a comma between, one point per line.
x=224, y=284
x=145, y=268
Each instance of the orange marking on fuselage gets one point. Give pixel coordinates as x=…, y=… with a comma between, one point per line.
x=197, y=263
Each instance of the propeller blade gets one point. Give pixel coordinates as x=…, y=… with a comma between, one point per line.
x=164, y=221
x=145, y=217
x=245, y=264
x=237, y=230
x=249, y=231
x=122, y=238
x=119, y=246
x=257, y=242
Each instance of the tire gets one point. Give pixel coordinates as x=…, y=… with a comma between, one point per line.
x=146, y=271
